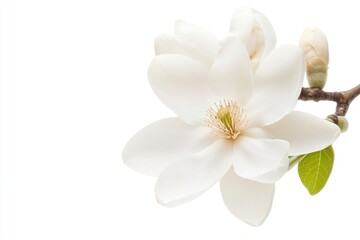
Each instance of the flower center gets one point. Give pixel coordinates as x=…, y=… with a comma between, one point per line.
x=226, y=119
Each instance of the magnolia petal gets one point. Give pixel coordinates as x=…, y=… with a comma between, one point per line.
x=314, y=44
x=261, y=160
x=247, y=200
x=277, y=86
x=161, y=143
x=167, y=44
x=197, y=42
x=251, y=35
x=190, y=176
x=305, y=132
x=182, y=84
x=231, y=74
x=255, y=30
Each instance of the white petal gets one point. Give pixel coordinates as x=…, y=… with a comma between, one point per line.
x=251, y=35
x=313, y=42
x=247, y=200
x=269, y=33
x=277, y=86
x=167, y=44
x=305, y=132
x=245, y=17
x=261, y=160
x=161, y=143
x=182, y=85
x=198, y=42
x=187, y=178
x=231, y=73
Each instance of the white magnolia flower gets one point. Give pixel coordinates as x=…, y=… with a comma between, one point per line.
x=234, y=125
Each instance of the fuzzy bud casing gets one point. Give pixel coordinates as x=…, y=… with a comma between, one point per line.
x=343, y=123
x=316, y=72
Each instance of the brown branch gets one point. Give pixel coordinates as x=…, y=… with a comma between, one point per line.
x=343, y=99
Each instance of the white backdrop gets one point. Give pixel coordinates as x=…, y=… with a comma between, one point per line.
x=75, y=90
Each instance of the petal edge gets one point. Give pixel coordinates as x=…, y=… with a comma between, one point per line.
x=247, y=200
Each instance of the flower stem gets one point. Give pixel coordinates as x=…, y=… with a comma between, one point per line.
x=343, y=99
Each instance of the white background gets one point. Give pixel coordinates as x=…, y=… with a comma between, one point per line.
x=75, y=90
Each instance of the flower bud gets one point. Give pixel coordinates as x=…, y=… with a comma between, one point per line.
x=316, y=72
x=343, y=123
x=314, y=44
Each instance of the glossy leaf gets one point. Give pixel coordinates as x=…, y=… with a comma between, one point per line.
x=315, y=168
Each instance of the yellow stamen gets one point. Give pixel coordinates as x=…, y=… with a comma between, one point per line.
x=227, y=119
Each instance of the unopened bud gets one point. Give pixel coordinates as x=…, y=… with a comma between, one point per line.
x=314, y=44
x=316, y=72
x=343, y=123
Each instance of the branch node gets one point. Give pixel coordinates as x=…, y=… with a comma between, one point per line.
x=343, y=99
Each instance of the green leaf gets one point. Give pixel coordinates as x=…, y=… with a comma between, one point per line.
x=315, y=168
